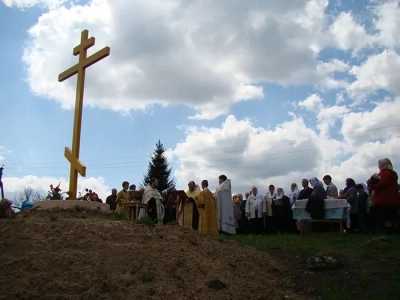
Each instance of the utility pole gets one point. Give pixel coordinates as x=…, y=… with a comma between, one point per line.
x=1, y=182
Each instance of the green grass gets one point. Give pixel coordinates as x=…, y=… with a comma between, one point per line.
x=119, y=216
x=347, y=245
x=146, y=220
x=371, y=269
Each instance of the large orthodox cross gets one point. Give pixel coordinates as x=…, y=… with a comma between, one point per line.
x=84, y=62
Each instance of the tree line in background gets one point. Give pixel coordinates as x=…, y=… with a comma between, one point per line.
x=29, y=194
x=158, y=167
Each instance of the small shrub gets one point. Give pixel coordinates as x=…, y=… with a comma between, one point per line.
x=53, y=217
x=119, y=216
x=146, y=220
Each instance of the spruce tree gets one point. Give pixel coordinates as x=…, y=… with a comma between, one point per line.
x=159, y=168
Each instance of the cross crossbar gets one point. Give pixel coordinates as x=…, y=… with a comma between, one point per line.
x=72, y=155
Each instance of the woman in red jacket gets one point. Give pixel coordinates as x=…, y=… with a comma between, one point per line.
x=386, y=195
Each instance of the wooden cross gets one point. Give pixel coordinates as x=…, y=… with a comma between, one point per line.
x=84, y=62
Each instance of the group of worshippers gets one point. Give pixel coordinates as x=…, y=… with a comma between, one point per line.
x=200, y=209
x=374, y=204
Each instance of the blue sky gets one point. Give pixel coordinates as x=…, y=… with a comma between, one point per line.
x=258, y=144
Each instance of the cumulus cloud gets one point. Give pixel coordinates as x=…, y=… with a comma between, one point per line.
x=387, y=22
x=13, y=186
x=378, y=72
x=251, y=155
x=211, y=54
x=349, y=35
x=382, y=122
x=326, y=116
x=258, y=156
x=205, y=54
x=51, y=4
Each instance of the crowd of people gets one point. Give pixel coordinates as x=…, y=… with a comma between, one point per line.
x=374, y=205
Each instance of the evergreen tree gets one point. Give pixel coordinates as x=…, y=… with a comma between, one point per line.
x=159, y=168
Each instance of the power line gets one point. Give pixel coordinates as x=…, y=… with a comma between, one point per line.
x=226, y=150
x=221, y=162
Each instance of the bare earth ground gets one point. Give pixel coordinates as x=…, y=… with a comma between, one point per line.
x=84, y=255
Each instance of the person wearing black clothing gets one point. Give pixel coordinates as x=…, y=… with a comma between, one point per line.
x=362, y=201
x=112, y=199
x=170, y=207
x=305, y=193
x=243, y=223
x=281, y=208
x=316, y=202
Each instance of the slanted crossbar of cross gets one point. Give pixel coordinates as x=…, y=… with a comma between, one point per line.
x=84, y=62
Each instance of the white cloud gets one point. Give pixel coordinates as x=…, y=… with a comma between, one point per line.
x=258, y=156
x=169, y=154
x=211, y=54
x=252, y=155
x=382, y=122
x=205, y=54
x=381, y=71
x=326, y=116
x=51, y=4
x=347, y=34
x=387, y=23
x=312, y=103
x=14, y=185
x=2, y=158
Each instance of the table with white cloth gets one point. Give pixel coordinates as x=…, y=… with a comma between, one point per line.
x=336, y=211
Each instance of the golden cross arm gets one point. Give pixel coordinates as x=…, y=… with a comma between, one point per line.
x=85, y=43
x=76, y=164
x=99, y=55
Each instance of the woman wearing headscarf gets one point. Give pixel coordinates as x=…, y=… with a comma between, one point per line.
x=293, y=196
x=350, y=194
x=255, y=211
x=386, y=197
x=316, y=202
x=280, y=208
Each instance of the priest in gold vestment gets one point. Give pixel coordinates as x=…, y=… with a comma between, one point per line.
x=122, y=196
x=188, y=215
x=205, y=203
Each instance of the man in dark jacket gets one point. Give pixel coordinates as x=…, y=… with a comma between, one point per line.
x=112, y=199
x=305, y=193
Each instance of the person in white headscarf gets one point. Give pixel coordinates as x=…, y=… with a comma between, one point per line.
x=293, y=196
x=280, y=209
x=386, y=197
x=256, y=210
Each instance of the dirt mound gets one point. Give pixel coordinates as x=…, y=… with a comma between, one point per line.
x=83, y=255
